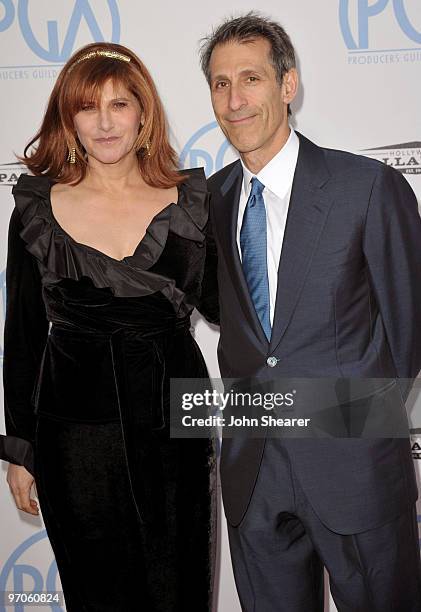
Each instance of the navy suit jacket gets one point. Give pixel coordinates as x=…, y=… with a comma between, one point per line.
x=348, y=305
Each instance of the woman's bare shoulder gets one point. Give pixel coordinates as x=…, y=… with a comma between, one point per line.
x=63, y=192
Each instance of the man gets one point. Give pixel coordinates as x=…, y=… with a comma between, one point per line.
x=319, y=276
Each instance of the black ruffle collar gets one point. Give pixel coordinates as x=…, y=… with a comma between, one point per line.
x=63, y=257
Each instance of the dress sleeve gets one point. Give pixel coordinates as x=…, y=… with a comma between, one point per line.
x=25, y=335
x=209, y=298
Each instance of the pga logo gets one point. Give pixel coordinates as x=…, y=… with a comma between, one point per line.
x=37, y=25
x=358, y=19
x=18, y=573
x=208, y=148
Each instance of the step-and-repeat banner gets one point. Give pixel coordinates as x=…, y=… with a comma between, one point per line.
x=359, y=63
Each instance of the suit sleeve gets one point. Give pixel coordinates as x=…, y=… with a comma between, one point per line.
x=209, y=298
x=25, y=335
x=392, y=246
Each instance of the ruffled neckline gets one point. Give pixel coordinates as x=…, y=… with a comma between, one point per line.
x=155, y=230
x=63, y=257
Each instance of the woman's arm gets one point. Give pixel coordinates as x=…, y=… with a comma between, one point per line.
x=25, y=335
x=209, y=298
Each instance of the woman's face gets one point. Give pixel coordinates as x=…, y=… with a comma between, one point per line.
x=108, y=130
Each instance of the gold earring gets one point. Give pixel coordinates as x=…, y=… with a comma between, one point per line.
x=148, y=148
x=71, y=158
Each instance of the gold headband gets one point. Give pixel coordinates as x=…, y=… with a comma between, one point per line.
x=98, y=52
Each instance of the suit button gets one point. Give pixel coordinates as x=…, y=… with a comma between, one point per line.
x=272, y=361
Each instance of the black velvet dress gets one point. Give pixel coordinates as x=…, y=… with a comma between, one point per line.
x=90, y=346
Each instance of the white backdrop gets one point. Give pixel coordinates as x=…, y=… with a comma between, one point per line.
x=359, y=64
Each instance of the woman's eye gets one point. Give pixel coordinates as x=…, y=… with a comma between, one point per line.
x=86, y=107
x=120, y=104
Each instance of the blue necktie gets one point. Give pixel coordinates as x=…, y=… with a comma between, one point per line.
x=253, y=243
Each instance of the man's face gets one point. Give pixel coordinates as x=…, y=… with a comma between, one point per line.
x=249, y=103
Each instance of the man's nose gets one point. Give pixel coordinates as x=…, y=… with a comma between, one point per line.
x=237, y=98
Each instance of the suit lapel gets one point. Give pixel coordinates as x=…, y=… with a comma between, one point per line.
x=226, y=213
x=307, y=213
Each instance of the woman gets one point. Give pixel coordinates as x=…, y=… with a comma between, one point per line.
x=108, y=248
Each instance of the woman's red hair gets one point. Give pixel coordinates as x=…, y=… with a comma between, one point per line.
x=81, y=81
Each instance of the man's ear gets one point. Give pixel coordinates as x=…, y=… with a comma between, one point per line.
x=289, y=86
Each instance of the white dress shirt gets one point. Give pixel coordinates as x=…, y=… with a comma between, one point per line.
x=277, y=177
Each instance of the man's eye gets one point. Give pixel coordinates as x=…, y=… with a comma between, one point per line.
x=252, y=79
x=221, y=84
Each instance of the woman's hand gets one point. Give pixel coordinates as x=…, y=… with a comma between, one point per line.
x=20, y=482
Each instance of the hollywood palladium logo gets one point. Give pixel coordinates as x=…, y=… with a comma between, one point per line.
x=405, y=157
x=416, y=443
x=381, y=31
x=10, y=172
x=416, y=455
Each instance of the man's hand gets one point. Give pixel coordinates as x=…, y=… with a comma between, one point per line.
x=20, y=482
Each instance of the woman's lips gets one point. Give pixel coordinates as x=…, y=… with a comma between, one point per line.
x=109, y=140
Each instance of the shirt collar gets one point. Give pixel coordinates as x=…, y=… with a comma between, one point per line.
x=278, y=174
